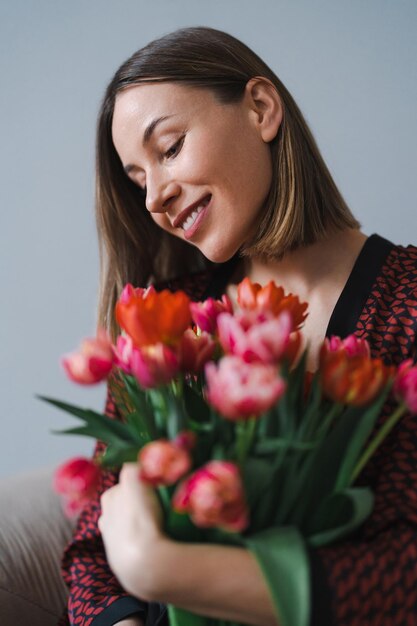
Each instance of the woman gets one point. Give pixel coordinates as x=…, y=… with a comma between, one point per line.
x=206, y=171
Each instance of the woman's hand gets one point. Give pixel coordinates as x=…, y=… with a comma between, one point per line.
x=131, y=527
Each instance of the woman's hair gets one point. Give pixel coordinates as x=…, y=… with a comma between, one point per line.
x=303, y=202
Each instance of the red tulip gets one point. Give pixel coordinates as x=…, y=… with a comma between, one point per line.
x=240, y=390
x=163, y=462
x=213, y=497
x=271, y=299
x=205, y=313
x=149, y=317
x=352, y=379
x=77, y=480
x=154, y=365
x=93, y=362
x=195, y=350
x=405, y=385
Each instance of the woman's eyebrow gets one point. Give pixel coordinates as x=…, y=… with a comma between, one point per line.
x=151, y=127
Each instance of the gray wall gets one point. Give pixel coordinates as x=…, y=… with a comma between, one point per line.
x=352, y=67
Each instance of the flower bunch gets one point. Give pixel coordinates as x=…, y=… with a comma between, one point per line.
x=230, y=427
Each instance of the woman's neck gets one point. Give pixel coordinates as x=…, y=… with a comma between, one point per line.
x=317, y=268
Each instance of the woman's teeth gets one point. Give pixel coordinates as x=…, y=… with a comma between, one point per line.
x=192, y=218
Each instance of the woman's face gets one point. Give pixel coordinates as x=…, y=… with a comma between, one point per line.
x=205, y=166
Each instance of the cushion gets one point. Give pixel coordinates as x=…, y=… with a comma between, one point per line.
x=33, y=534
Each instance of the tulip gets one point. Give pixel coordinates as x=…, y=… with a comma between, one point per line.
x=271, y=299
x=123, y=353
x=405, y=385
x=240, y=390
x=76, y=480
x=151, y=317
x=352, y=345
x=154, y=365
x=195, y=350
x=255, y=339
x=354, y=380
x=93, y=362
x=129, y=291
x=213, y=497
x=163, y=462
x=205, y=313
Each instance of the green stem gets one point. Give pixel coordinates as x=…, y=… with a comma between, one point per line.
x=328, y=419
x=165, y=500
x=245, y=434
x=376, y=441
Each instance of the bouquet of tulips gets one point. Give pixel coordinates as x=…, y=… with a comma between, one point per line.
x=244, y=445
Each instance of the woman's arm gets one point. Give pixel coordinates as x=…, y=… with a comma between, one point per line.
x=130, y=621
x=217, y=581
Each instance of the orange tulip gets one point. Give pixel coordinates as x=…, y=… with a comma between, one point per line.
x=155, y=317
x=272, y=299
x=354, y=380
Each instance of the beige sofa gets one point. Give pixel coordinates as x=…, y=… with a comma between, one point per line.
x=33, y=533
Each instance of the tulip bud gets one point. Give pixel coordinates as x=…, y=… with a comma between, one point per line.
x=205, y=313
x=213, y=497
x=405, y=385
x=163, y=462
x=154, y=365
x=77, y=481
x=240, y=390
x=92, y=363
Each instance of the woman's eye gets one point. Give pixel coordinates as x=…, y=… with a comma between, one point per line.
x=174, y=149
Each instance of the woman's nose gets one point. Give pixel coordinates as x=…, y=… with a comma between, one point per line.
x=160, y=197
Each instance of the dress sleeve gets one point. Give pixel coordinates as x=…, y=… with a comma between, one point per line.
x=95, y=596
x=371, y=579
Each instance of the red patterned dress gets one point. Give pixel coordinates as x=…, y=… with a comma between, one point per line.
x=369, y=579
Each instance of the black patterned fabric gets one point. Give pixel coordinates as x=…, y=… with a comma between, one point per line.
x=368, y=580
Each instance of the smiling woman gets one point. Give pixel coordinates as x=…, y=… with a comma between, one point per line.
x=207, y=171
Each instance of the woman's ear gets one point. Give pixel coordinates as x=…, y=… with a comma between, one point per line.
x=264, y=101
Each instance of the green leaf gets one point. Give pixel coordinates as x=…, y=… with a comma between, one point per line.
x=282, y=556
x=269, y=446
x=110, y=429
x=340, y=515
x=142, y=418
x=319, y=474
x=180, y=617
x=115, y=455
x=357, y=441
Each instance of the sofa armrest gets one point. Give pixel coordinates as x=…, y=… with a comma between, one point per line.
x=33, y=534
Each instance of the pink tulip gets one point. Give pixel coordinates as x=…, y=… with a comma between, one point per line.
x=123, y=353
x=77, y=480
x=352, y=345
x=93, y=362
x=129, y=291
x=195, y=350
x=186, y=440
x=255, y=338
x=213, y=497
x=154, y=365
x=205, y=313
x=405, y=385
x=163, y=462
x=240, y=390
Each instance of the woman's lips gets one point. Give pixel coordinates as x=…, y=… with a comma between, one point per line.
x=190, y=232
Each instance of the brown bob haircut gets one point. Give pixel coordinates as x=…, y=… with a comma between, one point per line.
x=303, y=204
